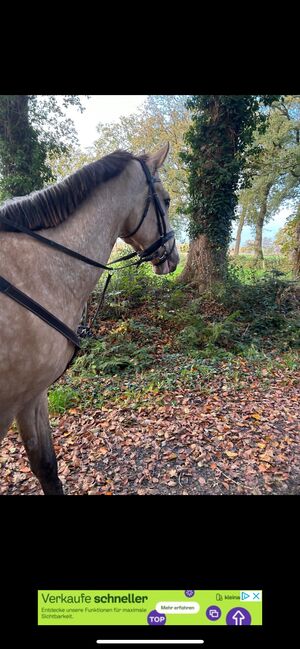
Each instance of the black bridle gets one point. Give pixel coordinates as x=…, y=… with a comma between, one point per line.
x=149, y=254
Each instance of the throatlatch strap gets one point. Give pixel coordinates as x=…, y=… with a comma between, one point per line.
x=18, y=296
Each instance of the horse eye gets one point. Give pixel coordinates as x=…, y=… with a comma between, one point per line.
x=167, y=202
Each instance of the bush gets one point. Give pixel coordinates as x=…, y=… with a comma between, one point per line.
x=269, y=306
x=112, y=355
x=128, y=288
x=200, y=334
x=61, y=398
x=271, y=262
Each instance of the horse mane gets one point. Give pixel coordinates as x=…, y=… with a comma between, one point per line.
x=51, y=206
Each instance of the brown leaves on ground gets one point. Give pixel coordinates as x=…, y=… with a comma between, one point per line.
x=242, y=440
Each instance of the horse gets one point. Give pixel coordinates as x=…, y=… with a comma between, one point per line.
x=86, y=212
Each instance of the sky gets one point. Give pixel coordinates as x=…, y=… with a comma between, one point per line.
x=109, y=108
x=102, y=108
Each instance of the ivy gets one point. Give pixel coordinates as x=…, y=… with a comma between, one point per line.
x=31, y=127
x=218, y=141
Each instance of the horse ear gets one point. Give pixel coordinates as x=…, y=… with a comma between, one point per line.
x=156, y=160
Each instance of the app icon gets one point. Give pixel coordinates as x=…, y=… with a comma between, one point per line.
x=189, y=593
x=155, y=618
x=213, y=613
x=238, y=617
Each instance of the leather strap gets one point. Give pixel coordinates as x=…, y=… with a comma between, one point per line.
x=53, y=244
x=21, y=298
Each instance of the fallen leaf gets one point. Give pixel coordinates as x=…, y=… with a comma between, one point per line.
x=102, y=450
x=264, y=467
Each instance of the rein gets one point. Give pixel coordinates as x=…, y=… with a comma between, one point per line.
x=145, y=255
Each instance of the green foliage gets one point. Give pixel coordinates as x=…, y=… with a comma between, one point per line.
x=275, y=170
x=128, y=288
x=175, y=339
x=268, y=307
x=32, y=128
x=221, y=131
x=61, y=398
x=64, y=163
x=47, y=116
x=113, y=355
x=288, y=236
x=126, y=291
x=247, y=271
x=22, y=157
x=202, y=335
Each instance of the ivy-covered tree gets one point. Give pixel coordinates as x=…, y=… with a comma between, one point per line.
x=31, y=128
x=222, y=130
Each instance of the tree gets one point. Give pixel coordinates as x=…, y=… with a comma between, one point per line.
x=161, y=119
x=31, y=128
x=275, y=169
x=63, y=164
x=221, y=131
x=288, y=238
x=242, y=213
x=296, y=255
x=254, y=206
x=22, y=157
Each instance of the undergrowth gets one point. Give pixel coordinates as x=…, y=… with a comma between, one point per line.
x=155, y=334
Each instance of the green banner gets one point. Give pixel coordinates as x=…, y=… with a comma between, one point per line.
x=149, y=607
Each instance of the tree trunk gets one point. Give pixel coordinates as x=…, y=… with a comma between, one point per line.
x=258, y=249
x=239, y=233
x=296, y=256
x=206, y=264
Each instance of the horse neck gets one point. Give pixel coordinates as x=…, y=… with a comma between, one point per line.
x=92, y=231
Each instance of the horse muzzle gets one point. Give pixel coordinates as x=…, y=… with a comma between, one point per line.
x=166, y=263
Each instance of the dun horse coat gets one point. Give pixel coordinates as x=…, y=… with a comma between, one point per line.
x=87, y=212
